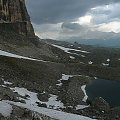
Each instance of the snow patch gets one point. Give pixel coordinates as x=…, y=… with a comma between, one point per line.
x=84, y=91
x=95, y=78
x=105, y=64
x=54, y=103
x=7, y=83
x=90, y=62
x=108, y=60
x=3, y=86
x=83, y=56
x=5, y=109
x=72, y=57
x=78, y=107
x=59, y=84
x=3, y=53
x=66, y=77
x=32, y=99
x=82, y=62
x=67, y=50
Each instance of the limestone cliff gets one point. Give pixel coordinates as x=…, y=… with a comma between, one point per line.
x=14, y=16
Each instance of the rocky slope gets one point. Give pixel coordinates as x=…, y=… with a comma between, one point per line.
x=42, y=86
x=49, y=77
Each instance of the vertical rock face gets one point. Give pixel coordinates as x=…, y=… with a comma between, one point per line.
x=14, y=16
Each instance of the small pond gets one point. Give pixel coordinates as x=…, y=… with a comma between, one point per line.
x=107, y=89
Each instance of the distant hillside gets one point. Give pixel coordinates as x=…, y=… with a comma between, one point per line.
x=97, y=42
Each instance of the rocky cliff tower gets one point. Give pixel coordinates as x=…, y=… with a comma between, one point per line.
x=14, y=16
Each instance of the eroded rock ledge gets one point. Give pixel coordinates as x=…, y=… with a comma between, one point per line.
x=14, y=17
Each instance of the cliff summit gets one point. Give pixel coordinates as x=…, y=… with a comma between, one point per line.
x=14, y=17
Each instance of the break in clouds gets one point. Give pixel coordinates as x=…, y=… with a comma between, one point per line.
x=61, y=19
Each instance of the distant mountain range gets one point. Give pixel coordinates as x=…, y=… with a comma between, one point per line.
x=115, y=43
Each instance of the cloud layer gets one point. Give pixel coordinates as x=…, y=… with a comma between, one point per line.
x=69, y=18
x=55, y=11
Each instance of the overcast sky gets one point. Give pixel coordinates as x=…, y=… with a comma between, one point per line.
x=62, y=19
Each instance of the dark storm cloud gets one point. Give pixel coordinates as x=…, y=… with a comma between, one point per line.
x=55, y=11
x=72, y=26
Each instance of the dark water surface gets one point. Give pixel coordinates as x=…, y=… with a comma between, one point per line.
x=107, y=89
